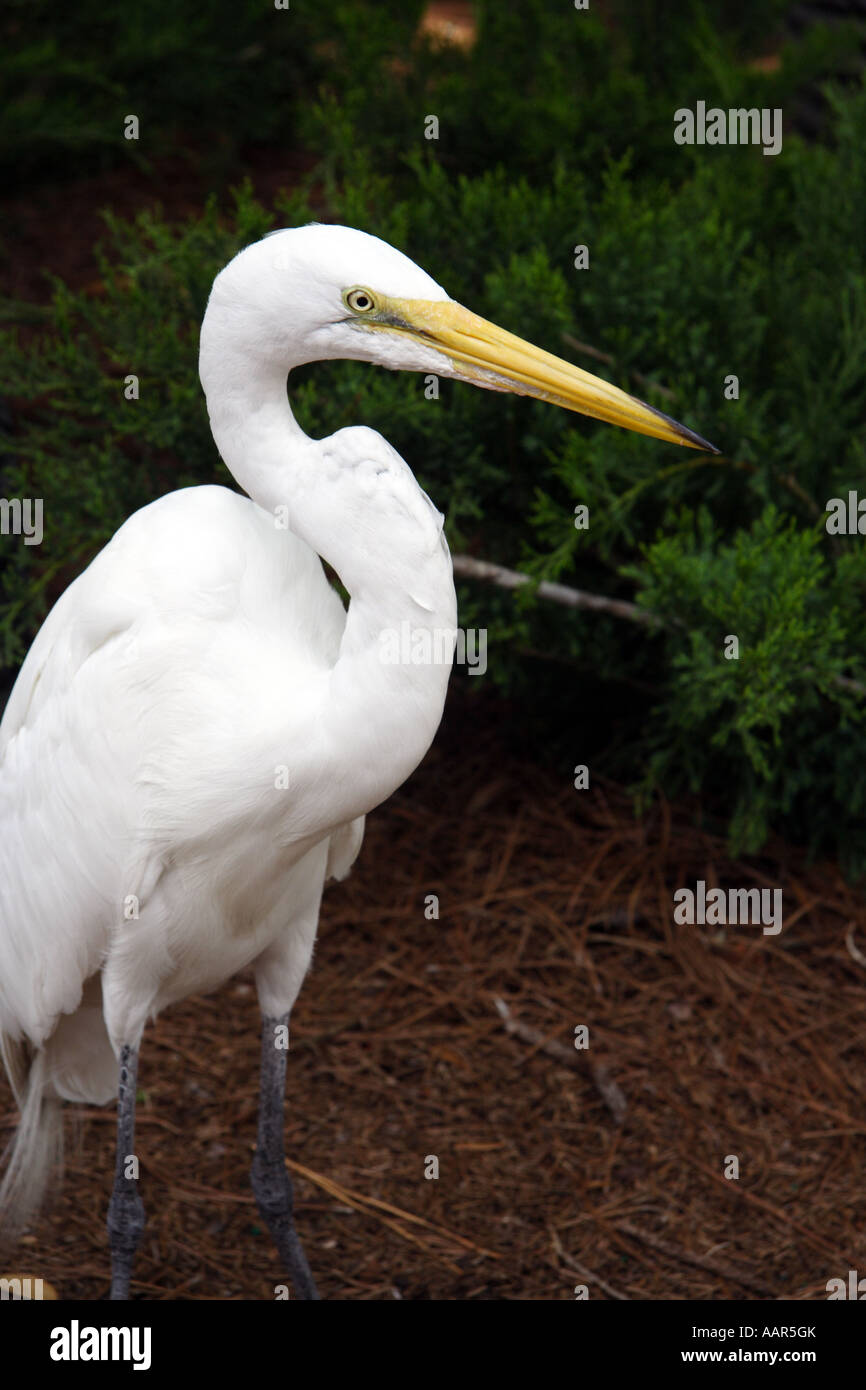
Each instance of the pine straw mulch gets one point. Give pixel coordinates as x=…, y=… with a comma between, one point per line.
x=454, y=1038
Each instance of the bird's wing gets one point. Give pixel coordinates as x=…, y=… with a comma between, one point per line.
x=197, y=554
x=150, y=639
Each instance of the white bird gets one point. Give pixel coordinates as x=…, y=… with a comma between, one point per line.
x=199, y=727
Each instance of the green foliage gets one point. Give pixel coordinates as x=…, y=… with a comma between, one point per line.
x=767, y=708
x=555, y=131
x=546, y=84
x=213, y=76
x=90, y=453
x=543, y=83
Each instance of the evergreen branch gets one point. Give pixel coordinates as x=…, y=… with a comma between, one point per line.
x=467, y=567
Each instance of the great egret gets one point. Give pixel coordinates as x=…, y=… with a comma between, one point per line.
x=199, y=728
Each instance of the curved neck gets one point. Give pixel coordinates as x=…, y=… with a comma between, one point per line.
x=386, y=691
x=251, y=420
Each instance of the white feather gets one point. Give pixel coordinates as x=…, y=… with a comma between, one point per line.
x=149, y=847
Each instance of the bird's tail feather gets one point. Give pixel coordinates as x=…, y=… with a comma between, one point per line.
x=35, y=1153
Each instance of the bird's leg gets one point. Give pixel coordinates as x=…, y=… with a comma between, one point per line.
x=126, y=1209
x=272, y=1185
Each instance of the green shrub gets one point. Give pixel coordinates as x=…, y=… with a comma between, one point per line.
x=700, y=267
x=543, y=83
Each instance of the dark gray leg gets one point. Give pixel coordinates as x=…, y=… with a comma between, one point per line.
x=272, y=1185
x=126, y=1209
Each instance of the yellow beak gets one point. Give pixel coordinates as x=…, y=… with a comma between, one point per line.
x=490, y=357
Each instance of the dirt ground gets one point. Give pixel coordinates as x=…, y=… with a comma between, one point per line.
x=557, y=903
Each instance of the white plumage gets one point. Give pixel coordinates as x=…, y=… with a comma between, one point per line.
x=198, y=729
x=142, y=831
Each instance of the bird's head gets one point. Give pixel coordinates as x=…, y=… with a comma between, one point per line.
x=322, y=291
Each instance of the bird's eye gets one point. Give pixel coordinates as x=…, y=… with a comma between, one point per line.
x=360, y=301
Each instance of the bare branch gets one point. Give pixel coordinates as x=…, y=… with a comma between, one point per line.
x=469, y=568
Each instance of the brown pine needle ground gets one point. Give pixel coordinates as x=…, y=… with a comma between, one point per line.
x=721, y=1042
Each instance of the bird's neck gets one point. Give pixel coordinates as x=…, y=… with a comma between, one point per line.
x=384, y=697
x=258, y=437
x=387, y=690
